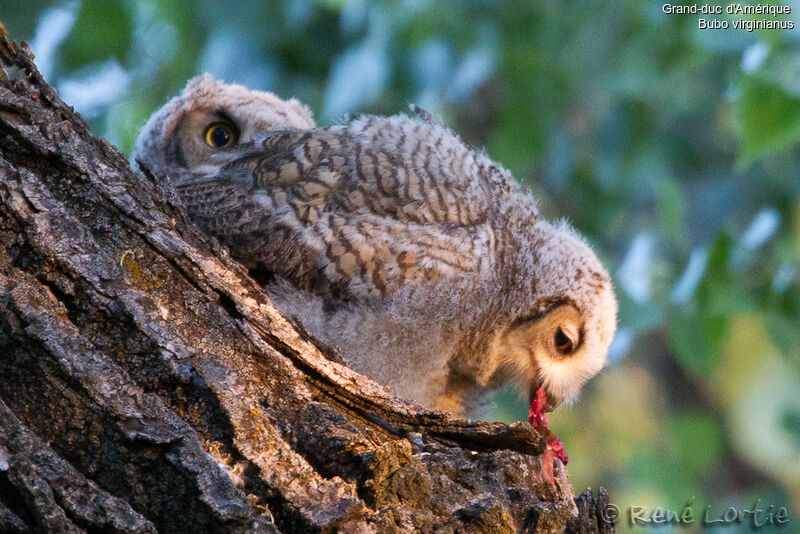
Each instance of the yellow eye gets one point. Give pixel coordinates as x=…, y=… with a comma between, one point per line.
x=220, y=135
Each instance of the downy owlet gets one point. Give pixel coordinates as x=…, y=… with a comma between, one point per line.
x=391, y=239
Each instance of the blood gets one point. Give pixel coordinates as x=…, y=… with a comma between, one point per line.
x=538, y=420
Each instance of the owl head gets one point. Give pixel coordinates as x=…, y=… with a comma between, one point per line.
x=208, y=117
x=564, y=317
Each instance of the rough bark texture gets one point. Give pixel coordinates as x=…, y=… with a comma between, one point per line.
x=147, y=384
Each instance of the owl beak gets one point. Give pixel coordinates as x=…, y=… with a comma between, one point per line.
x=552, y=402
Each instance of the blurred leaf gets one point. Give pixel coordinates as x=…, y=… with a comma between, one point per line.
x=769, y=118
x=796, y=226
x=784, y=331
x=762, y=416
x=103, y=29
x=649, y=465
x=791, y=422
x=671, y=210
x=783, y=70
x=720, y=293
x=698, y=332
x=745, y=349
x=21, y=16
x=697, y=341
x=699, y=441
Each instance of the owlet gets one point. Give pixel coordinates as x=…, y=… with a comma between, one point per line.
x=415, y=255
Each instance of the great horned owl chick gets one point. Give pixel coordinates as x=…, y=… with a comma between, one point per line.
x=390, y=238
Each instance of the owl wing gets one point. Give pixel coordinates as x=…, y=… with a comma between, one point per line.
x=358, y=210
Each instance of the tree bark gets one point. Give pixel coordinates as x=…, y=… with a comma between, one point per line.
x=148, y=384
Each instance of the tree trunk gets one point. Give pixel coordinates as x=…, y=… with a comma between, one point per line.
x=148, y=384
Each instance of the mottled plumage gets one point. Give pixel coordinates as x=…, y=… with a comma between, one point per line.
x=390, y=238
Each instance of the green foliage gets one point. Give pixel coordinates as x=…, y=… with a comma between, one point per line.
x=671, y=206
x=631, y=123
x=103, y=29
x=770, y=118
x=698, y=445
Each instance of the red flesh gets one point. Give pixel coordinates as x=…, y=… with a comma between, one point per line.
x=538, y=420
